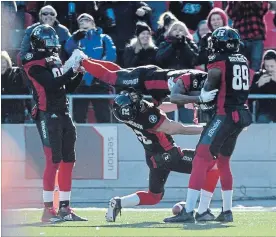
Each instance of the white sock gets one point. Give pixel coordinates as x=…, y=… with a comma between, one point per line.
x=48, y=196
x=130, y=200
x=191, y=199
x=227, y=199
x=64, y=196
x=205, y=199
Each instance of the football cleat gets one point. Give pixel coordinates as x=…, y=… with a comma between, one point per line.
x=50, y=216
x=74, y=61
x=114, y=208
x=225, y=216
x=183, y=216
x=67, y=214
x=205, y=216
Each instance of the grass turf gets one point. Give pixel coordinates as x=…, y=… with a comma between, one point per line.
x=137, y=223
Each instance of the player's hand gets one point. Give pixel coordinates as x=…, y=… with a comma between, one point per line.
x=263, y=80
x=79, y=34
x=140, y=12
x=207, y=96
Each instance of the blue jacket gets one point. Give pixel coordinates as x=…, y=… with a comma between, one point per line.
x=95, y=45
x=62, y=32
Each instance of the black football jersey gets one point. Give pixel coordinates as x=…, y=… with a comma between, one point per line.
x=145, y=124
x=192, y=79
x=235, y=81
x=48, y=82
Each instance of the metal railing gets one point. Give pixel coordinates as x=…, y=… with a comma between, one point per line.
x=104, y=96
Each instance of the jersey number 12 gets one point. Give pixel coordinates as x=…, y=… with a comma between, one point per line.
x=240, y=77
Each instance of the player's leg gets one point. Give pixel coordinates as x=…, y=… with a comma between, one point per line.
x=50, y=133
x=202, y=163
x=107, y=64
x=157, y=180
x=65, y=170
x=204, y=213
x=100, y=72
x=226, y=178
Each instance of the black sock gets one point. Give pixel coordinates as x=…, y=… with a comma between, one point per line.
x=48, y=204
x=64, y=203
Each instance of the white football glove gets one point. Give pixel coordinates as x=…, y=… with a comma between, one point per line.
x=207, y=96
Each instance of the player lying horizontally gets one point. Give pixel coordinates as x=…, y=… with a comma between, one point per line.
x=149, y=79
x=153, y=129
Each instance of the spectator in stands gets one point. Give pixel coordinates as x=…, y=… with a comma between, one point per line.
x=178, y=51
x=118, y=20
x=141, y=50
x=47, y=15
x=96, y=45
x=202, y=29
x=12, y=83
x=216, y=18
x=70, y=10
x=164, y=22
x=264, y=82
x=191, y=12
x=248, y=19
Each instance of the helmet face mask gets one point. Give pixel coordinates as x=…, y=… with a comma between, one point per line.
x=44, y=39
x=225, y=39
x=124, y=108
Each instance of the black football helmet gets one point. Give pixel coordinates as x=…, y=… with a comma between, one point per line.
x=225, y=39
x=44, y=39
x=126, y=106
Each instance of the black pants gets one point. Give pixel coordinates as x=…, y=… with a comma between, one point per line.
x=58, y=133
x=101, y=106
x=180, y=161
x=221, y=133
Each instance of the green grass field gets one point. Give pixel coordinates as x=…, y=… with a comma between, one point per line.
x=137, y=223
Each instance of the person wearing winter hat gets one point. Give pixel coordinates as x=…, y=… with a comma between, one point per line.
x=141, y=50
x=216, y=18
x=96, y=45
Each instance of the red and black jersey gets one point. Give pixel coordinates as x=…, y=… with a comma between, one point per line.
x=235, y=81
x=192, y=79
x=144, y=127
x=48, y=82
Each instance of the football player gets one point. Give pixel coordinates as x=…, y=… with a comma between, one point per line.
x=153, y=129
x=57, y=131
x=149, y=79
x=228, y=71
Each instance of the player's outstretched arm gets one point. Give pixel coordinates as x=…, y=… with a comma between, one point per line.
x=171, y=127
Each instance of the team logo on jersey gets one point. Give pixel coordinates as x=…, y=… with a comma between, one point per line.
x=29, y=56
x=166, y=157
x=153, y=118
x=195, y=83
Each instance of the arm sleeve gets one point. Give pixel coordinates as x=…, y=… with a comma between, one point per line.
x=254, y=89
x=25, y=44
x=72, y=85
x=70, y=45
x=155, y=118
x=163, y=54
x=47, y=80
x=130, y=58
x=110, y=49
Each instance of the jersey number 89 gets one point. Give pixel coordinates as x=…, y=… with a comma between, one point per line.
x=240, y=77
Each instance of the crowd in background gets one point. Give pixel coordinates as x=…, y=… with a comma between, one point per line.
x=168, y=34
